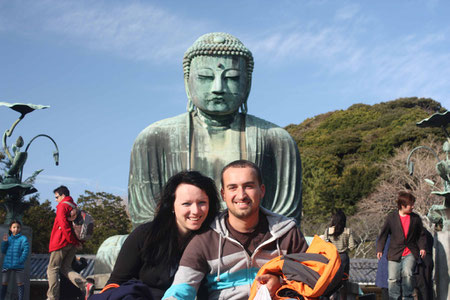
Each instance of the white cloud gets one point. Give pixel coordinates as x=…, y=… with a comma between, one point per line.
x=412, y=66
x=356, y=49
x=353, y=43
x=133, y=29
x=347, y=12
x=53, y=179
x=308, y=44
x=77, y=183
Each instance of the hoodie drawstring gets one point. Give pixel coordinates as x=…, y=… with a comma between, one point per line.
x=220, y=254
x=278, y=247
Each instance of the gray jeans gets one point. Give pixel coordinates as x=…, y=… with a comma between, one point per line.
x=61, y=261
x=401, y=277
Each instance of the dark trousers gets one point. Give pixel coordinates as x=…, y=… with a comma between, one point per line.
x=424, y=277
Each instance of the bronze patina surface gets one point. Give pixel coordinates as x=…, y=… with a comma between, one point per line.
x=214, y=131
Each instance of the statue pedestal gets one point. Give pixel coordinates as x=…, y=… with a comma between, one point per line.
x=440, y=214
x=12, y=287
x=106, y=258
x=442, y=263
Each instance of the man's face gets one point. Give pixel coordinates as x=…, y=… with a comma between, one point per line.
x=58, y=197
x=407, y=209
x=242, y=192
x=218, y=85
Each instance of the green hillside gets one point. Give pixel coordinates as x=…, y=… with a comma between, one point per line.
x=341, y=150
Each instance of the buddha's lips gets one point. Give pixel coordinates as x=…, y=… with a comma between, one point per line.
x=217, y=99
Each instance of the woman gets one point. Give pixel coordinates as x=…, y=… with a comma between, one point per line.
x=151, y=253
x=342, y=238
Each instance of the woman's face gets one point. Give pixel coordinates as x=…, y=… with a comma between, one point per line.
x=190, y=207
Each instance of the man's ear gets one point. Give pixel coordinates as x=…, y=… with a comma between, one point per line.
x=221, y=193
x=263, y=189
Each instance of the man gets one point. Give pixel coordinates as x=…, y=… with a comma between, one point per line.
x=63, y=246
x=407, y=242
x=240, y=240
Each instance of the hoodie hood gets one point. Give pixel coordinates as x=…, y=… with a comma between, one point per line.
x=278, y=224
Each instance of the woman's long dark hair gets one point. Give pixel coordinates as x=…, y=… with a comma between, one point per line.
x=338, y=220
x=162, y=243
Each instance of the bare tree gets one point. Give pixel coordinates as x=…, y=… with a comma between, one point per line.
x=372, y=210
x=310, y=226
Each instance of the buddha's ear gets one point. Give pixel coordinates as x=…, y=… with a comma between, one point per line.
x=190, y=105
x=244, y=107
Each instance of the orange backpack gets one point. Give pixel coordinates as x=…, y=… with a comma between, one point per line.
x=307, y=275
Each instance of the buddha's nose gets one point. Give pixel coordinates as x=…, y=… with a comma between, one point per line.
x=217, y=87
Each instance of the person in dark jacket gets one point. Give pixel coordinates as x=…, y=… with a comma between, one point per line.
x=407, y=244
x=424, y=281
x=16, y=250
x=381, y=279
x=68, y=290
x=151, y=253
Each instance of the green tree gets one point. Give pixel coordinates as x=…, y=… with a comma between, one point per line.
x=40, y=217
x=342, y=150
x=110, y=216
x=372, y=210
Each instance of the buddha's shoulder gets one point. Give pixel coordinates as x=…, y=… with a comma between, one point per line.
x=166, y=125
x=269, y=127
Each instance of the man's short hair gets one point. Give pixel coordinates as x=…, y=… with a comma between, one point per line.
x=242, y=163
x=62, y=190
x=405, y=199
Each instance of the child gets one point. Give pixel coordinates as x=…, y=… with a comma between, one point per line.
x=16, y=250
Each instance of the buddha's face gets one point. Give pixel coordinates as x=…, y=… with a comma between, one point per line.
x=218, y=84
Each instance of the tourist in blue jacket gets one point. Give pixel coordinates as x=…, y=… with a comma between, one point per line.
x=15, y=249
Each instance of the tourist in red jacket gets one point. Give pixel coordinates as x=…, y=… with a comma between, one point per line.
x=63, y=246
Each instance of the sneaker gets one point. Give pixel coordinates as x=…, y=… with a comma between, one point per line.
x=89, y=289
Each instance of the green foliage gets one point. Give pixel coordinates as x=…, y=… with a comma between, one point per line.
x=40, y=218
x=110, y=216
x=341, y=150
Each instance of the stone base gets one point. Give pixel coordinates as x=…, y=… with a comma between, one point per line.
x=442, y=264
x=107, y=254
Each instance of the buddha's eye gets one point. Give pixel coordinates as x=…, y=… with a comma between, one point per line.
x=232, y=74
x=205, y=74
x=205, y=77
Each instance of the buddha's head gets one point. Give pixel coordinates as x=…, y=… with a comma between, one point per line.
x=217, y=74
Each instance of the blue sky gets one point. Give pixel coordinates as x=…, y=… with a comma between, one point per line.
x=110, y=68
